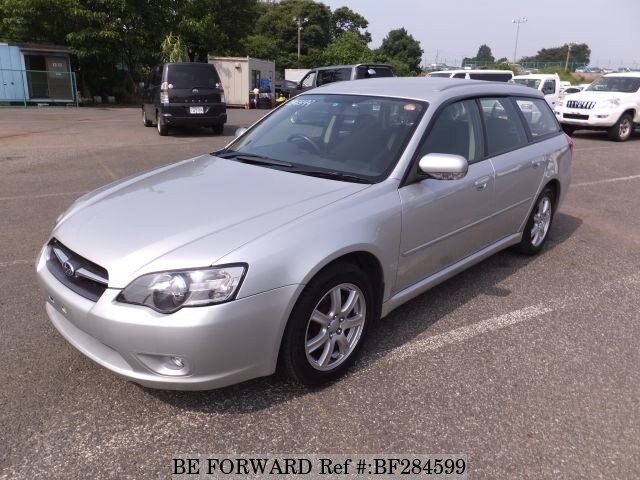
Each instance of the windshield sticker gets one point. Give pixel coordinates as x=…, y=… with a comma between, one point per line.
x=302, y=102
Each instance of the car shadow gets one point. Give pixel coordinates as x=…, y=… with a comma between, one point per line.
x=603, y=135
x=399, y=328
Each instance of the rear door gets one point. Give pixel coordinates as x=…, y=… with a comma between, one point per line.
x=193, y=83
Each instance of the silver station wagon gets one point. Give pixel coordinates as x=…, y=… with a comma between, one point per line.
x=283, y=248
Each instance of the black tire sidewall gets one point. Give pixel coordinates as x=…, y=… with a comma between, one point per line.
x=614, y=133
x=293, y=355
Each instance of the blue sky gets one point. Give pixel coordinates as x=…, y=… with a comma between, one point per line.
x=454, y=29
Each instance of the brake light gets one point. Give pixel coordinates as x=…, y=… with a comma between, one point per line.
x=570, y=141
x=164, y=92
x=221, y=90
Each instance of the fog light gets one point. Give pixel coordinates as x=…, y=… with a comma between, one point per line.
x=177, y=361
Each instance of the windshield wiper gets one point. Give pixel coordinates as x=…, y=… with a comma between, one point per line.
x=253, y=158
x=331, y=174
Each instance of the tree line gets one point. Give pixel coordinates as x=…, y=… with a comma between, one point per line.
x=115, y=42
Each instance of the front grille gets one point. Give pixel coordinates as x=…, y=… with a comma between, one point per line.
x=581, y=104
x=575, y=116
x=77, y=273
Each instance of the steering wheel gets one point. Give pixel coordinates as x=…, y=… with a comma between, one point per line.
x=304, y=142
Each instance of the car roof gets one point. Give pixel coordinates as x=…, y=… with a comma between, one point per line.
x=474, y=71
x=623, y=74
x=331, y=67
x=430, y=89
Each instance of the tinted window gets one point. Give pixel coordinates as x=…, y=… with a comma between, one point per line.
x=194, y=75
x=326, y=76
x=538, y=116
x=460, y=75
x=616, y=84
x=342, y=74
x=494, y=77
x=503, y=127
x=364, y=71
x=455, y=131
x=549, y=87
x=443, y=75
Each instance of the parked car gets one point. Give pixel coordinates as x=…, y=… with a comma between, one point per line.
x=184, y=95
x=324, y=75
x=284, y=247
x=610, y=103
x=489, y=75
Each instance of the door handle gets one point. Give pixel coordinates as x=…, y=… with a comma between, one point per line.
x=536, y=162
x=482, y=183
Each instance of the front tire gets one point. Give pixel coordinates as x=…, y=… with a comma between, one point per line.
x=622, y=129
x=328, y=325
x=568, y=129
x=218, y=128
x=537, y=229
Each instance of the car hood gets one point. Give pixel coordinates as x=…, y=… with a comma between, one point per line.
x=594, y=96
x=188, y=215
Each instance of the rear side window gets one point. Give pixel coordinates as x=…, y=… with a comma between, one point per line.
x=503, y=127
x=364, y=71
x=326, y=76
x=494, y=77
x=538, y=116
x=460, y=75
x=195, y=75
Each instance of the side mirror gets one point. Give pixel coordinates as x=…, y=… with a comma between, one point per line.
x=240, y=131
x=443, y=166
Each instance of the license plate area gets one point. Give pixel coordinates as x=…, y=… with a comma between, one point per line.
x=196, y=110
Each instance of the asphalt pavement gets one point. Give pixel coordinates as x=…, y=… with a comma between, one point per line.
x=528, y=366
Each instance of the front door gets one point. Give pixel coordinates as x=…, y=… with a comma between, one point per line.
x=444, y=221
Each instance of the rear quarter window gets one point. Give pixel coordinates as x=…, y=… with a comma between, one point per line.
x=538, y=117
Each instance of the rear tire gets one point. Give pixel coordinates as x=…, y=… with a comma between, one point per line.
x=622, y=129
x=163, y=130
x=538, y=225
x=328, y=325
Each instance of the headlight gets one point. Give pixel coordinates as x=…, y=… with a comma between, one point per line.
x=166, y=292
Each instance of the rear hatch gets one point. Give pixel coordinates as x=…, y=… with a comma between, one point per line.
x=190, y=83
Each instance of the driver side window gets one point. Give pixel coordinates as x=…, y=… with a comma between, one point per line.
x=309, y=80
x=549, y=87
x=456, y=131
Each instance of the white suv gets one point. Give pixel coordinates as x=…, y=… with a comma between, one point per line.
x=611, y=103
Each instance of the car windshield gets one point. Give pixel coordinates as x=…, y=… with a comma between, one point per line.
x=354, y=136
x=528, y=82
x=615, y=84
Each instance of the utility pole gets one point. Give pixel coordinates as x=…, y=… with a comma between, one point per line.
x=566, y=63
x=299, y=22
x=517, y=21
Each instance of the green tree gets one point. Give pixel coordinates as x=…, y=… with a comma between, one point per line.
x=400, y=46
x=484, y=55
x=348, y=48
x=346, y=20
x=580, y=54
x=173, y=49
x=277, y=24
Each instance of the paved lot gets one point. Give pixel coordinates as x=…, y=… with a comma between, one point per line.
x=530, y=367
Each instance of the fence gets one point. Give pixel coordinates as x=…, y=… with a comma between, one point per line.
x=538, y=65
x=35, y=87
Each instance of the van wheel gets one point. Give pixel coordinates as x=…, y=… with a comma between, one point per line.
x=163, y=130
x=145, y=121
x=537, y=229
x=218, y=128
x=622, y=129
x=328, y=325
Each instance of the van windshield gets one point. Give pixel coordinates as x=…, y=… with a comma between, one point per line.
x=528, y=82
x=194, y=75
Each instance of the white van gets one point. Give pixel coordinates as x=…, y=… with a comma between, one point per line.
x=547, y=83
x=490, y=75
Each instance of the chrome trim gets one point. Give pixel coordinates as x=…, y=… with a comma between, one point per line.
x=83, y=272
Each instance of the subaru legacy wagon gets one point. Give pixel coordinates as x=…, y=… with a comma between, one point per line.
x=282, y=249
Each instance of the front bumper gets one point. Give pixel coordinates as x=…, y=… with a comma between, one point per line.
x=588, y=118
x=219, y=345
